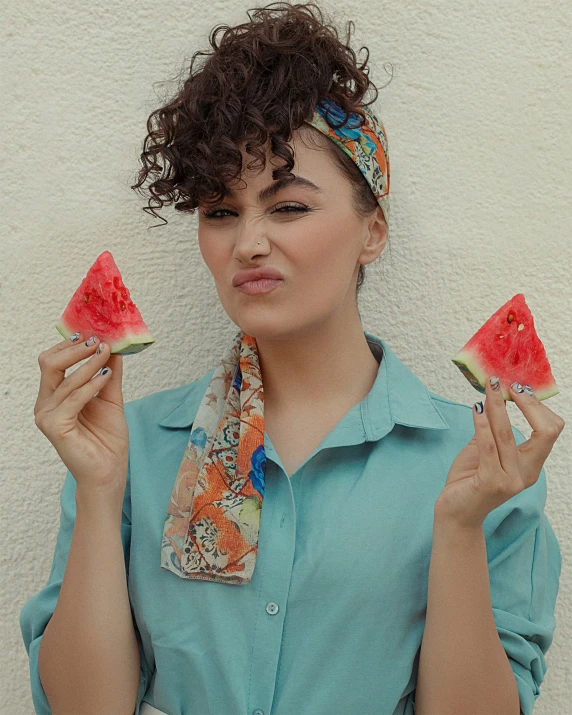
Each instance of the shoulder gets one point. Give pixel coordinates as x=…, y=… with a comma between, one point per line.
x=160, y=401
x=452, y=411
x=159, y=405
x=457, y=414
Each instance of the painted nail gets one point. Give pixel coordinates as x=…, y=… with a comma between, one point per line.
x=517, y=387
x=495, y=384
x=527, y=388
x=89, y=342
x=74, y=337
x=478, y=407
x=100, y=348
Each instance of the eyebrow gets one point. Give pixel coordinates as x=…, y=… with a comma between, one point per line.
x=276, y=186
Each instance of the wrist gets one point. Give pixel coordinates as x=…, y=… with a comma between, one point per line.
x=455, y=529
x=99, y=500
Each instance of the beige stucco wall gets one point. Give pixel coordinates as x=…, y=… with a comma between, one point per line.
x=478, y=120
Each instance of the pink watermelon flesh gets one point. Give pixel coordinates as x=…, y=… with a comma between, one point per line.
x=508, y=346
x=102, y=306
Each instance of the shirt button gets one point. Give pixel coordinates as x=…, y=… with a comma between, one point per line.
x=258, y=712
x=272, y=609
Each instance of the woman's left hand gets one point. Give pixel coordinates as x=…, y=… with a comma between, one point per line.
x=492, y=468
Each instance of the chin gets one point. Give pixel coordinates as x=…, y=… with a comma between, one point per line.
x=263, y=329
x=267, y=327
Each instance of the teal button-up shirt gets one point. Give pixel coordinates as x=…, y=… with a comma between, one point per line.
x=332, y=620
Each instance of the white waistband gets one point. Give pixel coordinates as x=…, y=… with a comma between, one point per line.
x=147, y=709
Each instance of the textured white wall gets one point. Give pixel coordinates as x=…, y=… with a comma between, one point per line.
x=478, y=120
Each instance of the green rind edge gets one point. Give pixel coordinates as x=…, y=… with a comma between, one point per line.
x=477, y=377
x=129, y=345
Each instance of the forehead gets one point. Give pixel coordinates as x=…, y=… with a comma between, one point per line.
x=313, y=164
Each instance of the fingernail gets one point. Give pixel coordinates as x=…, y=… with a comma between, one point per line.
x=74, y=337
x=517, y=387
x=91, y=341
x=530, y=392
x=100, y=348
x=478, y=407
x=495, y=384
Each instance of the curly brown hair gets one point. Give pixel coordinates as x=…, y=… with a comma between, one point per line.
x=260, y=82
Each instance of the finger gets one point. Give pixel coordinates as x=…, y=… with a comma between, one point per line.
x=489, y=461
x=546, y=428
x=501, y=428
x=67, y=353
x=112, y=390
x=63, y=416
x=55, y=361
x=75, y=379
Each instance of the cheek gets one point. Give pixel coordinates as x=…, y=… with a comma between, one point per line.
x=209, y=253
x=328, y=252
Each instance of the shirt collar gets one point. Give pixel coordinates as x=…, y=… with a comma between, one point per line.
x=397, y=397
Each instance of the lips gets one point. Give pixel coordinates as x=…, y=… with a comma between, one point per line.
x=255, y=274
x=259, y=287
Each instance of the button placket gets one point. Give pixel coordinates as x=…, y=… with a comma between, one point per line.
x=275, y=560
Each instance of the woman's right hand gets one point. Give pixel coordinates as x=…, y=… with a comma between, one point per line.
x=83, y=417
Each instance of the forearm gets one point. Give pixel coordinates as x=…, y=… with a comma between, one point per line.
x=89, y=657
x=463, y=667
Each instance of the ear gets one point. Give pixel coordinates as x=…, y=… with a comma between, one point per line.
x=375, y=239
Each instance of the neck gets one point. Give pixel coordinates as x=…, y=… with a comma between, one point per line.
x=317, y=368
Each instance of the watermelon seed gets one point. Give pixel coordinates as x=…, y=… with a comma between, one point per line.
x=521, y=326
x=86, y=298
x=510, y=317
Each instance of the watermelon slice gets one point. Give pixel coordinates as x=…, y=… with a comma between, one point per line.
x=508, y=346
x=102, y=306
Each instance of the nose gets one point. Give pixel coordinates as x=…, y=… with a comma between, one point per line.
x=251, y=240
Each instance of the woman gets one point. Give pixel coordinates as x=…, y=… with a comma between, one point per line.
x=310, y=466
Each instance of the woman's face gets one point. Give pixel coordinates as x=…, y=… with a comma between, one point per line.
x=311, y=235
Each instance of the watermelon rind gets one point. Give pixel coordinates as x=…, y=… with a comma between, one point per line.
x=128, y=345
x=477, y=377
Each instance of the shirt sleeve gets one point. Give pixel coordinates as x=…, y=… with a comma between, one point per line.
x=37, y=611
x=524, y=562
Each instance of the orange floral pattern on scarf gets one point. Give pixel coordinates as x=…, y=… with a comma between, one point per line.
x=211, y=530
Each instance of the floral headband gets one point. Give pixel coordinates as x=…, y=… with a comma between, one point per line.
x=366, y=145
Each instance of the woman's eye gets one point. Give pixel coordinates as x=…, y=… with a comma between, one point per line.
x=282, y=209
x=292, y=208
x=214, y=214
